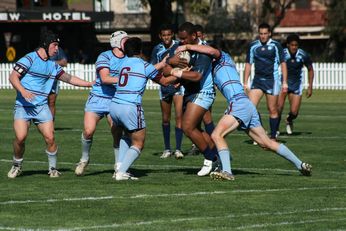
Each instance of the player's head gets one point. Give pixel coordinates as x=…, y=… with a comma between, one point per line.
x=166, y=34
x=118, y=39
x=199, y=31
x=187, y=33
x=264, y=32
x=50, y=43
x=133, y=47
x=293, y=43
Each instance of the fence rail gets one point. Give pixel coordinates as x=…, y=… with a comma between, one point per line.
x=327, y=75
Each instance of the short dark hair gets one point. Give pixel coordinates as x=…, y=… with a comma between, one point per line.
x=188, y=27
x=264, y=25
x=166, y=27
x=199, y=28
x=293, y=37
x=133, y=46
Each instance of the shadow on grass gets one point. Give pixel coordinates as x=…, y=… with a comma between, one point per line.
x=42, y=172
x=63, y=129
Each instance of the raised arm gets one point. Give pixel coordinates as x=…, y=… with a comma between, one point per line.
x=208, y=50
x=74, y=80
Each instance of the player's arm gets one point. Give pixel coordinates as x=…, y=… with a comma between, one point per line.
x=284, y=77
x=176, y=61
x=205, y=49
x=74, y=80
x=165, y=81
x=106, y=78
x=247, y=72
x=15, y=81
x=311, y=80
x=185, y=73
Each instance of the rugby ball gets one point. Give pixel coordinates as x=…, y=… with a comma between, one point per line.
x=185, y=55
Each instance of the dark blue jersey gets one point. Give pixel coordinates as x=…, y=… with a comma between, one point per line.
x=266, y=57
x=160, y=51
x=295, y=63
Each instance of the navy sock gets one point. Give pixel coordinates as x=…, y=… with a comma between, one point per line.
x=178, y=138
x=209, y=154
x=273, y=127
x=166, y=128
x=209, y=128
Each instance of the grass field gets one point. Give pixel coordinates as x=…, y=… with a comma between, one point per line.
x=268, y=193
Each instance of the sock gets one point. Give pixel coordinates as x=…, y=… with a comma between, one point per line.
x=289, y=155
x=52, y=157
x=86, y=145
x=166, y=129
x=225, y=157
x=273, y=127
x=178, y=138
x=208, y=154
x=291, y=117
x=209, y=128
x=131, y=155
x=17, y=162
x=125, y=143
x=116, y=155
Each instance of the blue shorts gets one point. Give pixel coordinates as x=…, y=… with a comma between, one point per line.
x=128, y=116
x=295, y=87
x=202, y=99
x=268, y=86
x=36, y=114
x=55, y=87
x=97, y=104
x=245, y=112
x=167, y=93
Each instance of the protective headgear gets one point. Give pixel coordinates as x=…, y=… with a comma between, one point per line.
x=47, y=39
x=116, y=38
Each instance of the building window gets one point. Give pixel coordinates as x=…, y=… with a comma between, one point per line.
x=133, y=6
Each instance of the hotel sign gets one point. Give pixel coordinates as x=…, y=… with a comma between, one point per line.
x=64, y=16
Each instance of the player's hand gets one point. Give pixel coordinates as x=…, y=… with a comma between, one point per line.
x=176, y=61
x=28, y=96
x=180, y=49
x=309, y=92
x=245, y=87
x=284, y=88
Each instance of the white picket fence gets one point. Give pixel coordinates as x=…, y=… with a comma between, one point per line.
x=327, y=75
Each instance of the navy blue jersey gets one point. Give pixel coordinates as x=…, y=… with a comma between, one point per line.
x=295, y=63
x=160, y=51
x=266, y=57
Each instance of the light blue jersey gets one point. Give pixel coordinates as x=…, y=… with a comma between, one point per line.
x=37, y=77
x=227, y=79
x=110, y=61
x=133, y=76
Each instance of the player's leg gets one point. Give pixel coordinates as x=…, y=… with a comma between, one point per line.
x=178, y=107
x=272, y=106
x=47, y=131
x=117, y=133
x=281, y=105
x=255, y=95
x=51, y=103
x=259, y=135
x=226, y=125
x=21, y=128
x=208, y=122
x=166, y=105
x=295, y=102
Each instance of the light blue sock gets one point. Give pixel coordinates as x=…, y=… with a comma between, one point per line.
x=52, y=157
x=288, y=155
x=86, y=145
x=130, y=157
x=125, y=143
x=226, y=158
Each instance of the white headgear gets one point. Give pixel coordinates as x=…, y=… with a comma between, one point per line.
x=117, y=37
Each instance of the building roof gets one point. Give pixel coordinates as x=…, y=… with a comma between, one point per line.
x=304, y=18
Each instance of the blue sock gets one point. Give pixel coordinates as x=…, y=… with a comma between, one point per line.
x=125, y=143
x=166, y=129
x=225, y=157
x=288, y=155
x=273, y=127
x=178, y=138
x=130, y=157
x=209, y=154
x=209, y=128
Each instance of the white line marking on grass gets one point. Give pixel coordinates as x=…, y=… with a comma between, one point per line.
x=139, y=196
x=179, y=220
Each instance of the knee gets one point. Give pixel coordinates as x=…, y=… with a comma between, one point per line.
x=88, y=133
x=215, y=137
x=49, y=139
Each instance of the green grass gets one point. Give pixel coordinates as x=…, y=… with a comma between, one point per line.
x=268, y=193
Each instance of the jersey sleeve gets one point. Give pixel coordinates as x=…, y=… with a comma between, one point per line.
x=150, y=70
x=307, y=60
x=103, y=61
x=23, y=65
x=281, y=55
x=153, y=58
